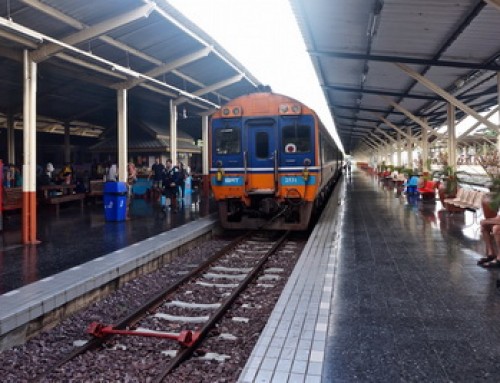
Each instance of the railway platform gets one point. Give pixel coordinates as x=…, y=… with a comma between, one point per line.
x=386, y=290
x=80, y=252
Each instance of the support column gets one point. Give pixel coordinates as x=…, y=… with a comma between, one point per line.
x=11, y=139
x=498, y=113
x=399, y=148
x=204, y=154
x=67, y=148
x=29, y=150
x=425, y=150
x=173, y=132
x=452, y=139
x=122, y=134
x=410, y=149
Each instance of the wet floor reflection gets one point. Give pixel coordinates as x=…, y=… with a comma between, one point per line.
x=74, y=238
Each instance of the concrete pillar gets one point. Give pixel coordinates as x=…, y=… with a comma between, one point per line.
x=399, y=149
x=173, y=132
x=498, y=113
x=410, y=149
x=425, y=149
x=29, y=150
x=67, y=148
x=11, y=142
x=204, y=154
x=452, y=139
x=122, y=134
x=204, y=138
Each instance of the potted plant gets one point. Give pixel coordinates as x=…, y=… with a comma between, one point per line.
x=491, y=201
x=448, y=182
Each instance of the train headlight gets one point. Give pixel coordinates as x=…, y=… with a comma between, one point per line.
x=307, y=162
x=219, y=176
x=305, y=174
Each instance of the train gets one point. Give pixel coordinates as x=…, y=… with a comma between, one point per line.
x=272, y=162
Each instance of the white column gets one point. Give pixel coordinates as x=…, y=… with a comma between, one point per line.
x=425, y=150
x=452, y=139
x=67, y=151
x=29, y=150
x=410, y=149
x=173, y=132
x=399, y=148
x=204, y=138
x=498, y=103
x=11, y=142
x=122, y=134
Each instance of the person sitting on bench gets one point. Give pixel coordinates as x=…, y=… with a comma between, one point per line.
x=490, y=229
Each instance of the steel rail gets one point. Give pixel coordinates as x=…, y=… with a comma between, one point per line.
x=136, y=314
x=186, y=352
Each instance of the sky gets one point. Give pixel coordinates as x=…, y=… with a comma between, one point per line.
x=264, y=37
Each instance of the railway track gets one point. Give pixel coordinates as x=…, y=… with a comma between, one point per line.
x=179, y=318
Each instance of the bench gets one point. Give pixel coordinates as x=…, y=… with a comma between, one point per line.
x=96, y=188
x=466, y=199
x=59, y=199
x=12, y=198
x=428, y=190
x=58, y=194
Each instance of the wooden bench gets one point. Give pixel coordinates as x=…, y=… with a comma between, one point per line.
x=58, y=194
x=57, y=200
x=96, y=188
x=12, y=198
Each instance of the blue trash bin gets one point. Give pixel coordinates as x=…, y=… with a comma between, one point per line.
x=115, y=201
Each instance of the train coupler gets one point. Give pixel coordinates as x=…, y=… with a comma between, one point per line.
x=186, y=337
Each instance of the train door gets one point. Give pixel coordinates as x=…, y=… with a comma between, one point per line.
x=261, y=155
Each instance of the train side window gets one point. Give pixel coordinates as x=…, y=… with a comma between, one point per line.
x=227, y=141
x=262, y=145
x=297, y=135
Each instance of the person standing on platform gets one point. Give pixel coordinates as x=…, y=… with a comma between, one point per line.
x=131, y=179
x=183, y=174
x=171, y=184
x=490, y=229
x=157, y=171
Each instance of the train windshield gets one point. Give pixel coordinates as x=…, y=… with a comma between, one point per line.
x=228, y=141
x=296, y=138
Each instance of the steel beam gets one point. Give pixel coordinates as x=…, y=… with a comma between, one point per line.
x=405, y=60
x=494, y=3
x=340, y=88
x=101, y=28
x=391, y=139
x=393, y=126
x=212, y=88
x=448, y=97
x=165, y=68
x=411, y=116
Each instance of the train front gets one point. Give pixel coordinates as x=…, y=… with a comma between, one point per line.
x=264, y=162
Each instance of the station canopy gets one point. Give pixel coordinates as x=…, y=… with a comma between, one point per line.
x=87, y=49
x=369, y=54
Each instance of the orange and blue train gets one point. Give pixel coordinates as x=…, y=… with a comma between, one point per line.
x=272, y=162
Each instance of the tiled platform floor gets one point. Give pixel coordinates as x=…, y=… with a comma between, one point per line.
x=397, y=296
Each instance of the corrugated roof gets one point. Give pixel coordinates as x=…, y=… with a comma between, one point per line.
x=355, y=43
x=144, y=36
